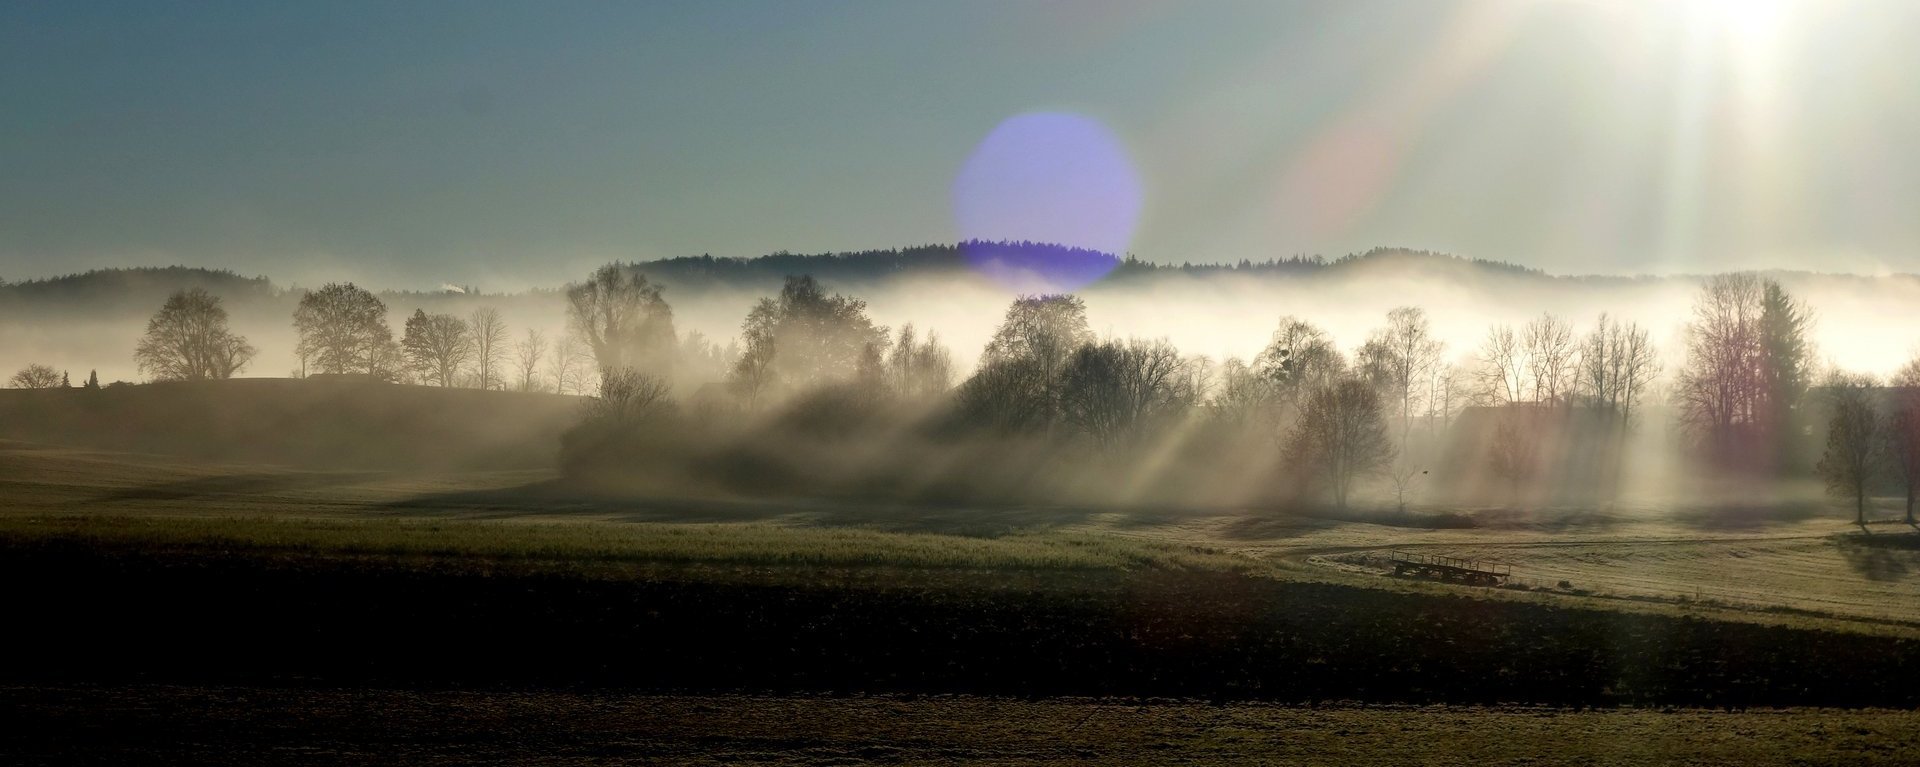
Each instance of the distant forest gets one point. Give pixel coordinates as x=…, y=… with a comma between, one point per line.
x=844, y=268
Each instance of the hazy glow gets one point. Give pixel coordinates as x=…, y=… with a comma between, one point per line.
x=1750, y=23
x=1352, y=162
x=1754, y=34
x=520, y=141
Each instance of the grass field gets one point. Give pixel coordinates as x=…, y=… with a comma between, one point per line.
x=318, y=617
x=605, y=548
x=737, y=608
x=1762, y=562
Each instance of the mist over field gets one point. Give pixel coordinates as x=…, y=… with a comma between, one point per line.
x=1117, y=382
x=1216, y=313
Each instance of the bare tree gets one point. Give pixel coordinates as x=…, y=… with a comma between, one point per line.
x=1405, y=475
x=1747, y=357
x=1341, y=436
x=1020, y=371
x=572, y=365
x=1854, y=440
x=753, y=374
x=437, y=346
x=1638, y=367
x=1447, y=393
x=1113, y=391
x=526, y=357
x=1296, y=360
x=1550, y=358
x=35, y=376
x=1412, y=355
x=1006, y=396
x=628, y=396
x=1502, y=373
x=623, y=319
x=343, y=329
x=1239, y=391
x=489, y=334
x=1299, y=359
x=805, y=337
x=388, y=363
x=919, y=369
x=702, y=361
x=188, y=340
x=1617, y=363
x=1399, y=360
x=1718, y=387
x=1903, y=430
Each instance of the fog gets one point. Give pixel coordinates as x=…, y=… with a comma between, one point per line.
x=840, y=442
x=1861, y=322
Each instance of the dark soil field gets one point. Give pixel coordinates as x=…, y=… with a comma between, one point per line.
x=162, y=610
x=235, y=612
x=165, y=725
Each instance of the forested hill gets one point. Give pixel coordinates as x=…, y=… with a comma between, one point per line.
x=870, y=266
x=149, y=286
x=145, y=284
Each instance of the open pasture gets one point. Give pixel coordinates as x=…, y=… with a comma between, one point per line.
x=1793, y=558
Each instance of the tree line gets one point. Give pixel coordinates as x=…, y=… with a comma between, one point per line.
x=1331, y=418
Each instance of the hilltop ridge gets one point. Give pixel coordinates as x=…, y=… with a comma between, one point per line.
x=150, y=284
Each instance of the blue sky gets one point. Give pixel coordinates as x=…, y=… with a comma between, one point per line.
x=502, y=143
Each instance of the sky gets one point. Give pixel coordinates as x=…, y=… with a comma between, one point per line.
x=507, y=144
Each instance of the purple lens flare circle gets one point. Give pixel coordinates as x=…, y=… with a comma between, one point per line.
x=1048, y=178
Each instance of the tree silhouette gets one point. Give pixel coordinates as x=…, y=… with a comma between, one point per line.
x=489, y=336
x=35, y=376
x=1854, y=442
x=1617, y=363
x=1903, y=431
x=1299, y=359
x=572, y=366
x=1340, y=437
x=188, y=340
x=1024, y=361
x=343, y=329
x=802, y=338
x=623, y=319
x=437, y=346
x=1746, y=368
x=526, y=360
x=1111, y=391
x=919, y=368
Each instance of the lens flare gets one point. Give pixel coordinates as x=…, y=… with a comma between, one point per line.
x=1047, y=177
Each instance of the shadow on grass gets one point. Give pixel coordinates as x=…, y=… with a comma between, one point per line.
x=1747, y=516
x=235, y=485
x=560, y=498
x=1881, y=556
